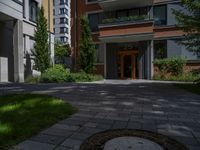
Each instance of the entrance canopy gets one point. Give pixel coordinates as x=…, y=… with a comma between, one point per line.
x=127, y=38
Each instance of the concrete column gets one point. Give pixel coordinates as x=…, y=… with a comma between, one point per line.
x=151, y=54
x=150, y=58
x=3, y=69
x=105, y=64
x=150, y=67
x=18, y=51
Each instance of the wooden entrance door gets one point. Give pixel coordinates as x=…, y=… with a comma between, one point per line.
x=127, y=64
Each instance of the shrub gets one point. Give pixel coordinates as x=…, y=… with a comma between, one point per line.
x=197, y=82
x=187, y=77
x=31, y=79
x=173, y=65
x=84, y=77
x=56, y=74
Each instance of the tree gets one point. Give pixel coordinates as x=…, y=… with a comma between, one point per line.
x=61, y=51
x=87, y=56
x=40, y=51
x=189, y=21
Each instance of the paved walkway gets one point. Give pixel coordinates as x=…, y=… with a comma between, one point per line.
x=149, y=106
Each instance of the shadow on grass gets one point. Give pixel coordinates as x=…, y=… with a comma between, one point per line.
x=23, y=115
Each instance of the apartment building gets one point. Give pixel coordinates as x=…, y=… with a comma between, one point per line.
x=129, y=35
x=18, y=23
x=62, y=17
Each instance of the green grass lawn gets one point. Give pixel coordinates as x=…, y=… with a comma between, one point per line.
x=190, y=87
x=24, y=115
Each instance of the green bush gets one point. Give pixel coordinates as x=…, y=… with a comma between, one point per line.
x=57, y=74
x=188, y=77
x=84, y=77
x=173, y=65
x=31, y=79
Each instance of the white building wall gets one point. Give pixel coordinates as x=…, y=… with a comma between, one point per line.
x=11, y=8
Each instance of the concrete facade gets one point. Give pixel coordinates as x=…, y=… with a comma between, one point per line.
x=18, y=24
x=4, y=69
x=62, y=21
x=158, y=26
x=12, y=43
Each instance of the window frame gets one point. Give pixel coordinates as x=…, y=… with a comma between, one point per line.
x=166, y=17
x=30, y=11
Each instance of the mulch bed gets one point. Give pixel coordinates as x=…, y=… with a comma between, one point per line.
x=97, y=141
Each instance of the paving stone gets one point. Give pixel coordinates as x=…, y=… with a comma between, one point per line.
x=73, y=143
x=141, y=105
x=66, y=127
x=149, y=127
x=32, y=145
x=44, y=138
x=63, y=148
x=91, y=124
x=57, y=132
x=134, y=125
x=191, y=147
x=119, y=125
x=81, y=136
x=73, y=122
x=104, y=126
x=187, y=140
x=88, y=130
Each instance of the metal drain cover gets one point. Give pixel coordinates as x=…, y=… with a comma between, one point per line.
x=131, y=143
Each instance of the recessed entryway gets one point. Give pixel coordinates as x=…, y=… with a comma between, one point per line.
x=127, y=62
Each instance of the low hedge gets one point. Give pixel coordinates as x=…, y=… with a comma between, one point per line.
x=174, y=65
x=58, y=74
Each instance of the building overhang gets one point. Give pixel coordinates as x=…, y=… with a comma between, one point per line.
x=127, y=38
x=127, y=32
x=110, y=5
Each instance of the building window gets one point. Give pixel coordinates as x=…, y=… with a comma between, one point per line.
x=33, y=7
x=99, y=53
x=160, y=49
x=132, y=12
x=160, y=15
x=63, y=30
x=63, y=20
x=94, y=20
x=63, y=2
x=63, y=39
x=63, y=11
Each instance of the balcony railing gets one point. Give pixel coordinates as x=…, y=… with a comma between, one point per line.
x=129, y=19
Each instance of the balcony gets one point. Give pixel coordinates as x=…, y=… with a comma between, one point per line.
x=125, y=20
x=126, y=29
x=108, y=5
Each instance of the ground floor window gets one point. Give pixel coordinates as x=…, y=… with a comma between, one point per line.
x=100, y=53
x=160, y=49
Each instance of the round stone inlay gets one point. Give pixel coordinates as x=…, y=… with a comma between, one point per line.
x=130, y=139
x=131, y=143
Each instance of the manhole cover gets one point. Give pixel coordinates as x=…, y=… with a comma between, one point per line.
x=129, y=139
x=131, y=143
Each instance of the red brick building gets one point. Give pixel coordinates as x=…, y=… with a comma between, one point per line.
x=129, y=35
